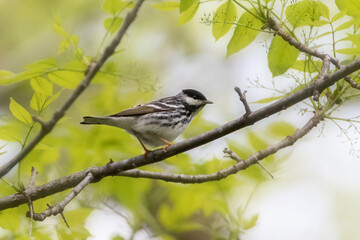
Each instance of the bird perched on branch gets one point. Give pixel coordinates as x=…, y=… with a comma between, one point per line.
x=157, y=123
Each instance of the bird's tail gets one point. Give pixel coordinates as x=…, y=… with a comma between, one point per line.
x=93, y=120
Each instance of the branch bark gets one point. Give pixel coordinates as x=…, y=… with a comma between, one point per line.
x=223, y=173
x=59, y=208
x=46, y=127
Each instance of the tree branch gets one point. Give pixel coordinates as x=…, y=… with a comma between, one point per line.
x=48, y=126
x=59, y=208
x=223, y=173
x=313, y=52
x=243, y=100
x=113, y=168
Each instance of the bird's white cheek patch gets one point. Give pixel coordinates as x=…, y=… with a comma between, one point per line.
x=192, y=101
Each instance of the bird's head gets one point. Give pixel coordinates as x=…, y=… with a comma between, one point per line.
x=194, y=99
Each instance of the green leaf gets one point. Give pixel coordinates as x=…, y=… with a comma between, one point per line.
x=58, y=28
x=42, y=85
x=115, y=6
x=269, y=99
x=225, y=13
x=243, y=35
x=281, y=56
x=319, y=23
x=308, y=66
x=166, y=6
x=349, y=51
x=247, y=224
x=6, y=77
x=41, y=65
x=324, y=10
x=347, y=24
x=20, y=112
x=10, y=220
x=338, y=16
x=305, y=13
x=186, y=4
x=354, y=38
x=188, y=14
x=351, y=7
x=66, y=79
x=281, y=129
x=10, y=133
x=37, y=101
x=113, y=24
x=255, y=141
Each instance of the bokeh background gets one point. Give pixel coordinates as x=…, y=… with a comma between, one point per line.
x=315, y=190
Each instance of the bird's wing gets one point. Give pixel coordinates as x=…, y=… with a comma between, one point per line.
x=140, y=110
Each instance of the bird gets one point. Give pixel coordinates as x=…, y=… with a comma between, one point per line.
x=159, y=122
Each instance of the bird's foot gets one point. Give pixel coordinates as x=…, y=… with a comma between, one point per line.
x=166, y=146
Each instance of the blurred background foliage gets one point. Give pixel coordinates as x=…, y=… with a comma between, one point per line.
x=45, y=51
x=65, y=36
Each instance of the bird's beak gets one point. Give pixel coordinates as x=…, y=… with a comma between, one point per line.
x=207, y=102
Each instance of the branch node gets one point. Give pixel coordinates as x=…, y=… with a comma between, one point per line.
x=34, y=172
x=243, y=100
x=44, y=125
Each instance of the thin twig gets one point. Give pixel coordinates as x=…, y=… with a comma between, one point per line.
x=236, y=157
x=313, y=52
x=130, y=17
x=34, y=172
x=243, y=100
x=59, y=207
x=323, y=73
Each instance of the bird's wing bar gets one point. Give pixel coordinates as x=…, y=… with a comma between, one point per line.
x=139, y=110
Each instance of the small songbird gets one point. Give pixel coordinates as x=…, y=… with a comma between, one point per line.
x=157, y=123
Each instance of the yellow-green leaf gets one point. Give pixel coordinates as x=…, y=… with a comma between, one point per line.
x=20, y=112
x=37, y=101
x=305, y=13
x=349, y=51
x=42, y=85
x=281, y=129
x=247, y=224
x=338, y=16
x=115, y=6
x=225, y=13
x=281, y=56
x=347, y=24
x=66, y=79
x=351, y=7
x=256, y=142
x=113, y=24
x=41, y=65
x=244, y=33
x=269, y=99
x=166, y=6
x=186, y=4
x=6, y=77
x=9, y=134
x=313, y=66
x=58, y=27
x=188, y=14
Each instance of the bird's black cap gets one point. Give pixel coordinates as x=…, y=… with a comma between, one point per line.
x=194, y=94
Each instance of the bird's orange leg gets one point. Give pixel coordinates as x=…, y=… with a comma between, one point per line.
x=167, y=143
x=145, y=149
